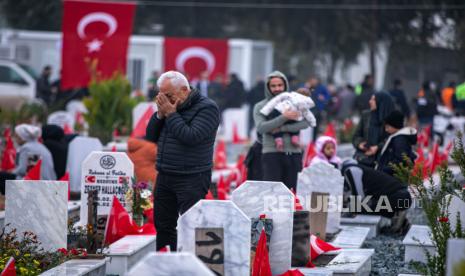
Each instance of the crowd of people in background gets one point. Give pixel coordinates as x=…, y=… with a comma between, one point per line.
x=333, y=102
x=383, y=136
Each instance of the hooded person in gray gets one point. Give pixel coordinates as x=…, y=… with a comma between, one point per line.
x=279, y=165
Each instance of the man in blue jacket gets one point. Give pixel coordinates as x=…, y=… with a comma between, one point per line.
x=184, y=128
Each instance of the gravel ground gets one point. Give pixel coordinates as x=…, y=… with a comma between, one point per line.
x=389, y=251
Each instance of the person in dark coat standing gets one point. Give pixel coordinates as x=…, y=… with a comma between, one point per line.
x=347, y=100
x=216, y=92
x=399, y=143
x=234, y=93
x=426, y=105
x=369, y=135
x=44, y=88
x=254, y=96
x=184, y=128
x=398, y=94
x=53, y=138
x=364, y=91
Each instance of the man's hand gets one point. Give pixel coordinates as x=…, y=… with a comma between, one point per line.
x=291, y=115
x=165, y=107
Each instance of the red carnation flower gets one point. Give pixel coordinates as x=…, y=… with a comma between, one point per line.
x=443, y=219
x=63, y=251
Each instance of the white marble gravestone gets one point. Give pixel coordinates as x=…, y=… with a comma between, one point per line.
x=172, y=263
x=323, y=178
x=78, y=150
x=76, y=267
x=276, y=201
x=355, y=262
x=235, y=117
x=106, y=173
x=139, y=111
x=40, y=207
x=456, y=207
x=416, y=241
x=236, y=228
x=61, y=118
x=455, y=257
x=370, y=221
x=123, y=254
x=351, y=237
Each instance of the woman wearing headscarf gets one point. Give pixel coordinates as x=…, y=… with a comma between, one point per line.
x=370, y=134
x=29, y=152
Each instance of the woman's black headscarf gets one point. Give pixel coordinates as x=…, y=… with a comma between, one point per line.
x=384, y=107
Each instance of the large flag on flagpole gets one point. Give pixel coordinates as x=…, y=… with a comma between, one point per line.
x=194, y=56
x=94, y=32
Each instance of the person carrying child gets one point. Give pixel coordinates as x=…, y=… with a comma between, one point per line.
x=299, y=101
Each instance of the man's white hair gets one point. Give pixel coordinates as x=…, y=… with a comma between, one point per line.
x=177, y=79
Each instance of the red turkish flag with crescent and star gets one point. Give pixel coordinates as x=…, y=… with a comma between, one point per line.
x=94, y=32
x=193, y=56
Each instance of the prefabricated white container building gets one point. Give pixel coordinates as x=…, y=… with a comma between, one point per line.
x=247, y=58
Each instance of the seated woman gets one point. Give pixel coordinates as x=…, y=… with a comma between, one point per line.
x=369, y=135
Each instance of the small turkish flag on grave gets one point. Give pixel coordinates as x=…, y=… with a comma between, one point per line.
x=297, y=205
x=261, y=264
x=330, y=130
x=9, y=153
x=9, y=269
x=318, y=247
x=67, y=129
x=34, y=172
x=220, y=155
x=165, y=249
x=221, y=188
x=120, y=224
x=309, y=154
x=293, y=272
x=209, y=196
x=65, y=177
x=141, y=126
x=435, y=158
x=236, y=137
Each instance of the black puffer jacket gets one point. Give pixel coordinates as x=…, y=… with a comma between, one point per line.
x=186, y=138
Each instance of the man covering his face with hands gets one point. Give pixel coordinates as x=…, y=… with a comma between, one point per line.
x=184, y=127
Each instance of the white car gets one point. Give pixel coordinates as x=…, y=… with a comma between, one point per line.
x=17, y=84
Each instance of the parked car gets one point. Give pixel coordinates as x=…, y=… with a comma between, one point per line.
x=17, y=84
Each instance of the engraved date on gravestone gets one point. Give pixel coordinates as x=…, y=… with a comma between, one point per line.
x=209, y=248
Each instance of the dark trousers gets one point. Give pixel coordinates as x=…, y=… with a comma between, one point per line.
x=4, y=176
x=253, y=161
x=280, y=166
x=174, y=195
